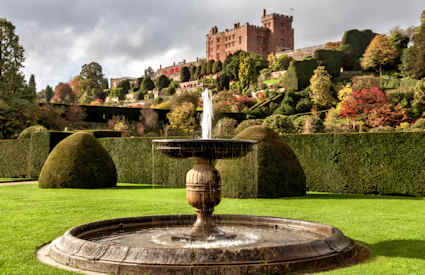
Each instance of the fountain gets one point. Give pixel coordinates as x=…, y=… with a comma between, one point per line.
x=205, y=243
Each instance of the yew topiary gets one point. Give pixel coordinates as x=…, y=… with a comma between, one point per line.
x=78, y=161
x=271, y=170
x=27, y=132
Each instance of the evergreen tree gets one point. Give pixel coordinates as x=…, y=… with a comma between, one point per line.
x=11, y=60
x=184, y=74
x=210, y=65
x=163, y=81
x=217, y=67
x=147, y=84
x=49, y=93
x=91, y=78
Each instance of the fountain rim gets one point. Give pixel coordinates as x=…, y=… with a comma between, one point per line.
x=212, y=140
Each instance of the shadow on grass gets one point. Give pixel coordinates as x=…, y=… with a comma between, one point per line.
x=334, y=196
x=413, y=249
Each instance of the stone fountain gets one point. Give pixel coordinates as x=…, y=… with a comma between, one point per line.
x=205, y=243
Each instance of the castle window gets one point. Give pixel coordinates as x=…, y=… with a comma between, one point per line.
x=218, y=40
x=240, y=40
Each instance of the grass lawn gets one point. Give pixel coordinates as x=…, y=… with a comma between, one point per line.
x=393, y=227
x=271, y=81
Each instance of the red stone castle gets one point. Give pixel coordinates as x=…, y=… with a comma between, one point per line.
x=275, y=35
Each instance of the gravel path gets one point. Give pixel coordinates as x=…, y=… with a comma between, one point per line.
x=17, y=182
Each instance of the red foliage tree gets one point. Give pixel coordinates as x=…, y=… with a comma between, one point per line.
x=63, y=94
x=386, y=115
x=360, y=103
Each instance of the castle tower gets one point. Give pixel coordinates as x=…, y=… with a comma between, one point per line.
x=281, y=32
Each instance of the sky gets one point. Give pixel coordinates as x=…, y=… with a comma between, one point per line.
x=127, y=36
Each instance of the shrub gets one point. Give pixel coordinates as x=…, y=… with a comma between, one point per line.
x=419, y=124
x=27, y=132
x=225, y=127
x=247, y=123
x=331, y=59
x=79, y=161
x=304, y=105
x=163, y=82
x=302, y=127
x=275, y=173
x=280, y=123
x=281, y=63
x=182, y=119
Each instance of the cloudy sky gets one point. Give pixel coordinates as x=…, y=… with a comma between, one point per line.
x=126, y=36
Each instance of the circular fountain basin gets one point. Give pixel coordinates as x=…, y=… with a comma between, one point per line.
x=203, y=148
x=143, y=245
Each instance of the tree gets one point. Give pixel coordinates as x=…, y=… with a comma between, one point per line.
x=124, y=85
x=210, y=65
x=203, y=70
x=163, y=82
x=380, y=52
x=11, y=60
x=75, y=85
x=320, y=90
x=399, y=39
x=418, y=50
x=184, y=74
x=247, y=74
x=217, y=67
x=91, y=78
x=147, y=84
x=31, y=84
x=29, y=91
x=281, y=63
x=63, y=94
x=49, y=93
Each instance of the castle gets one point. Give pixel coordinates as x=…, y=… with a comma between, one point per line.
x=275, y=35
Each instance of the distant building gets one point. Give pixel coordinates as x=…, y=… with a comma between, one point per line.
x=275, y=35
x=173, y=71
x=116, y=81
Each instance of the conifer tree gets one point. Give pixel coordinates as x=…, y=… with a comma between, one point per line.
x=321, y=84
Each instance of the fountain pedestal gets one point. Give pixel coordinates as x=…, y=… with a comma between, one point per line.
x=203, y=192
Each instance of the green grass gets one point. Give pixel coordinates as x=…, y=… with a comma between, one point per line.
x=271, y=81
x=392, y=227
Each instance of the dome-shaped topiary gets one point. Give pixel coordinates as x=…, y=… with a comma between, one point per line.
x=27, y=132
x=276, y=171
x=78, y=161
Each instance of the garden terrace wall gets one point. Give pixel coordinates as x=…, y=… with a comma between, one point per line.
x=384, y=163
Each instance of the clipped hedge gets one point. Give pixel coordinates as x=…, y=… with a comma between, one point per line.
x=299, y=74
x=135, y=162
x=384, y=163
x=14, y=158
x=271, y=170
x=78, y=161
x=331, y=59
x=354, y=44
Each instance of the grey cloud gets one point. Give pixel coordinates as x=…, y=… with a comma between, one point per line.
x=123, y=36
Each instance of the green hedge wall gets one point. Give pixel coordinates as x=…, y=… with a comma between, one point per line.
x=354, y=44
x=384, y=163
x=331, y=59
x=135, y=162
x=14, y=158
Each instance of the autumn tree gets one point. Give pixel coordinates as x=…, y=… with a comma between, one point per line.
x=380, y=52
x=11, y=60
x=320, y=90
x=75, y=85
x=63, y=94
x=91, y=79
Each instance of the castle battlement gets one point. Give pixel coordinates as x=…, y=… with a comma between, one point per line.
x=275, y=34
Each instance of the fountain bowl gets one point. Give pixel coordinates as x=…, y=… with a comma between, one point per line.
x=203, y=148
x=285, y=245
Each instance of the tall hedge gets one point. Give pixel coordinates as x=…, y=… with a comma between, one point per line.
x=384, y=163
x=331, y=59
x=135, y=162
x=299, y=74
x=354, y=44
x=14, y=157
